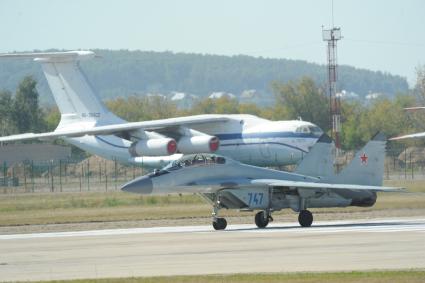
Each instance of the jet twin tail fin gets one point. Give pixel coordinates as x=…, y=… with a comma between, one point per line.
x=319, y=161
x=366, y=168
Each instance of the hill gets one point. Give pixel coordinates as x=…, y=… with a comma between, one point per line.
x=123, y=73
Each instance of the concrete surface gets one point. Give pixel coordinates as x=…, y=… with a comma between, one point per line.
x=328, y=246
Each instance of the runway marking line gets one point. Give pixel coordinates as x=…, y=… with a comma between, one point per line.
x=369, y=226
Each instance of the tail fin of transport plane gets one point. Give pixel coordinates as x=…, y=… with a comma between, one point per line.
x=73, y=93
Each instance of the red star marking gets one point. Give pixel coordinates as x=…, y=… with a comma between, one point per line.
x=364, y=158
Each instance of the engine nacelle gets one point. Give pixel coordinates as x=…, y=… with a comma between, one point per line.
x=198, y=144
x=153, y=147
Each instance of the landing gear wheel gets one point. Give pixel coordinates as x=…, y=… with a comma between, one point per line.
x=261, y=220
x=305, y=218
x=220, y=224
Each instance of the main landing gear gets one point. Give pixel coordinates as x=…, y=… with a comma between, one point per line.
x=262, y=219
x=305, y=218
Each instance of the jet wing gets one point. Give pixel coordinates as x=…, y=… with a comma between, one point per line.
x=120, y=128
x=244, y=183
x=312, y=185
x=411, y=136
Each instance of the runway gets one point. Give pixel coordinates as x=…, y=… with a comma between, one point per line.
x=328, y=246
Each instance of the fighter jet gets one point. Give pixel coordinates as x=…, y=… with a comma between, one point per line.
x=226, y=183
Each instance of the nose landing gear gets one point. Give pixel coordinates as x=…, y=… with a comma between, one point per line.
x=219, y=223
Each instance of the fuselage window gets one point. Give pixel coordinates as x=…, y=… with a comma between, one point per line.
x=316, y=130
x=303, y=129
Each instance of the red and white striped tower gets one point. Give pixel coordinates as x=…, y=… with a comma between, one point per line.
x=332, y=36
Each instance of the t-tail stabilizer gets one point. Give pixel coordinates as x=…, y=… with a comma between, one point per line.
x=75, y=97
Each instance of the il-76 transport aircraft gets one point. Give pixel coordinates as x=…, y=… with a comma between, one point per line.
x=229, y=184
x=88, y=124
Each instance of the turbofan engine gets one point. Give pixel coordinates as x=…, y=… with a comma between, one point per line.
x=153, y=147
x=198, y=144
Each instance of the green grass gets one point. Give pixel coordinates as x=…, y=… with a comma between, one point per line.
x=411, y=276
x=48, y=208
x=48, y=201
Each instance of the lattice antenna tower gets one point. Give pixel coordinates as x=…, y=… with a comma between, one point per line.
x=332, y=36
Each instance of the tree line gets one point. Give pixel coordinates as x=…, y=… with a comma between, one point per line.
x=298, y=99
x=122, y=73
x=303, y=98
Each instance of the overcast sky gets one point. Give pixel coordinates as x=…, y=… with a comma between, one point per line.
x=379, y=35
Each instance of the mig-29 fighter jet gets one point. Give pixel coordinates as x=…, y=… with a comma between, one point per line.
x=227, y=183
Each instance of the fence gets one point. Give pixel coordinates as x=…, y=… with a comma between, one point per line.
x=66, y=176
x=96, y=174
x=408, y=164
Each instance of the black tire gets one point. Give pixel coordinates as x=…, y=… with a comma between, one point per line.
x=260, y=221
x=305, y=218
x=220, y=224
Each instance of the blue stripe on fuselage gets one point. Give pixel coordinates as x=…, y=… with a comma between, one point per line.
x=235, y=136
x=111, y=144
x=260, y=143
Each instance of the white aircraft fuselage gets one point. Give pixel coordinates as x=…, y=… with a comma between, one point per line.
x=246, y=138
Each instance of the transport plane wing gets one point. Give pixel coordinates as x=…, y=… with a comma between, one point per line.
x=120, y=128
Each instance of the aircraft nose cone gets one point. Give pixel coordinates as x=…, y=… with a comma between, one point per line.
x=141, y=185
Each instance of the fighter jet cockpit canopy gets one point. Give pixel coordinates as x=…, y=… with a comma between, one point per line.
x=309, y=129
x=195, y=159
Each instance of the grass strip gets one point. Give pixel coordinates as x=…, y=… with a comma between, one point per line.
x=401, y=276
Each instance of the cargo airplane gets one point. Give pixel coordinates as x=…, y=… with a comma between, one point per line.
x=226, y=183
x=86, y=123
